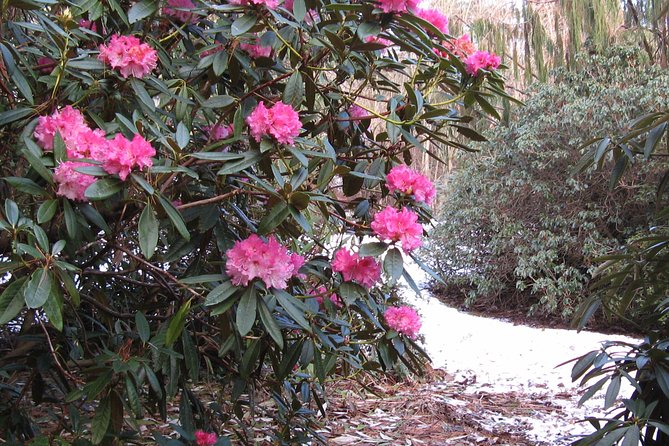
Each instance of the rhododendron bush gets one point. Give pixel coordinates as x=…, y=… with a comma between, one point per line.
x=214, y=192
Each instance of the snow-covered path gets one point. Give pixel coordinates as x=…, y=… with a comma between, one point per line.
x=500, y=356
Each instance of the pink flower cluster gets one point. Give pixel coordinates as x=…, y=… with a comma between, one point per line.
x=407, y=181
x=269, y=261
x=398, y=226
x=203, y=438
x=388, y=6
x=435, y=17
x=357, y=113
x=182, y=12
x=218, y=132
x=364, y=270
x=321, y=292
x=117, y=156
x=404, y=320
x=481, y=60
x=270, y=4
x=462, y=47
x=256, y=51
x=279, y=121
x=129, y=55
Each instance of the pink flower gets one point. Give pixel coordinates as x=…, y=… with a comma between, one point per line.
x=364, y=270
x=321, y=291
x=357, y=113
x=129, y=55
x=205, y=438
x=279, y=121
x=407, y=181
x=379, y=40
x=435, y=17
x=72, y=184
x=182, y=12
x=398, y=226
x=88, y=143
x=269, y=261
x=270, y=4
x=88, y=24
x=218, y=132
x=217, y=49
x=45, y=64
x=69, y=122
x=461, y=47
x=256, y=51
x=288, y=4
x=397, y=5
x=404, y=320
x=123, y=155
x=481, y=60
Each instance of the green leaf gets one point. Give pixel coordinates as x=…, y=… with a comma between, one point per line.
x=175, y=217
x=243, y=24
x=220, y=293
x=274, y=218
x=142, y=325
x=250, y=158
x=182, y=135
x=293, y=93
x=393, y=264
x=11, y=212
x=46, y=211
x=270, y=324
x=9, y=116
x=38, y=165
x=246, y=311
x=53, y=307
x=38, y=289
x=191, y=356
x=101, y=419
x=103, y=189
x=142, y=9
x=177, y=323
x=26, y=185
x=612, y=392
x=374, y=249
x=148, y=231
x=11, y=301
x=290, y=305
x=221, y=101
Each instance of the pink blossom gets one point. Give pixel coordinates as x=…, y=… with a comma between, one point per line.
x=88, y=24
x=45, y=64
x=269, y=261
x=398, y=226
x=218, y=132
x=357, y=113
x=69, y=122
x=321, y=291
x=404, y=320
x=435, y=17
x=180, y=10
x=124, y=155
x=256, y=51
x=88, y=143
x=72, y=184
x=205, y=438
x=270, y=4
x=407, y=181
x=379, y=40
x=288, y=4
x=481, y=60
x=397, y=5
x=461, y=47
x=364, y=270
x=280, y=121
x=129, y=55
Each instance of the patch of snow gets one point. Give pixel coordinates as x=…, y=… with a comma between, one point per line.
x=496, y=356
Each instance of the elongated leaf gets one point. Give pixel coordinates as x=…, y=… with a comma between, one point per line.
x=246, y=311
x=101, y=419
x=393, y=264
x=38, y=289
x=290, y=304
x=103, y=189
x=148, y=231
x=46, y=211
x=175, y=218
x=220, y=293
x=141, y=10
x=274, y=218
x=177, y=323
x=243, y=24
x=270, y=323
x=11, y=301
x=142, y=326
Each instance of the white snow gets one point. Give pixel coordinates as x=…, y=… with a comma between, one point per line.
x=497, y=356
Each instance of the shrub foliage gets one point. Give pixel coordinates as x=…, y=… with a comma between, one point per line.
x=117, y=293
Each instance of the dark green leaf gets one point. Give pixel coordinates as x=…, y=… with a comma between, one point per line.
x=103, y=189
x=46, y=211
x=393, y=264
x=11, y=300
x=175, y=217
x=141, y=9
x=246, y=311
x=243, y=24
x=101, y=420
x=38, y=289
x=148, y=231
x=142, y=326
x=177, y=323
